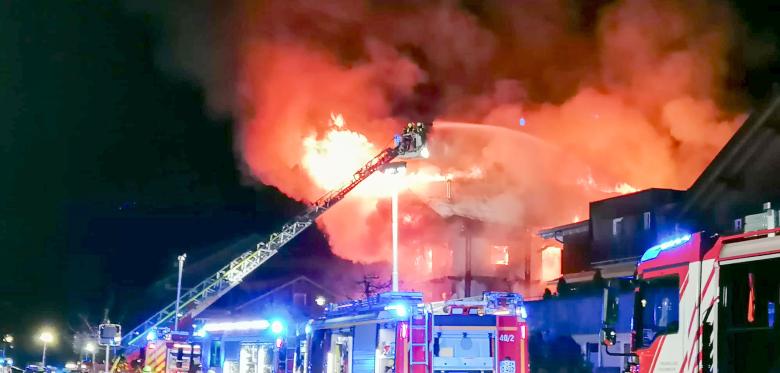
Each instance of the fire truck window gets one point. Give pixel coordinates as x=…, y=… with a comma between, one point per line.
x=747, y=334
x=386, y=353
x=216, y=353
x=317, y=357
x=256, y=358
x=340, y=356
x=753, y=288
x=658, y=310
x=464, y=345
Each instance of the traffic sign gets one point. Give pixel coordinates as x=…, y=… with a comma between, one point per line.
x=110, y=334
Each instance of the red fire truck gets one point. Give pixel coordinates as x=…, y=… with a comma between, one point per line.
x=707, y=304
x=173, y=357
x=169, y=352
x=397, y=332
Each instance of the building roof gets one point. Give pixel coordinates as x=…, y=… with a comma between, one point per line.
x=563, y=230
x=284, y=285
x=617, y=203
x=613, y=269
x=632, y=203
x=737, y=158
x=481, y=209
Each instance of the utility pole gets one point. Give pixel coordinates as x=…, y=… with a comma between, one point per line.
x=468, y=277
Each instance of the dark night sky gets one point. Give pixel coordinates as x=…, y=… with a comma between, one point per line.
x=110, y=168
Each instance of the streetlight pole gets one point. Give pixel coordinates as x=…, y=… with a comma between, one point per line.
x=395, y=169
x=46, y=337
x=394, y=203
x=181, y=258
x=91, y=348
x=7, y=343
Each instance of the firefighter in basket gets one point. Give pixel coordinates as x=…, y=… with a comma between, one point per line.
x=407, y=139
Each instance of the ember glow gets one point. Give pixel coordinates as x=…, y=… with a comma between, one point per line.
x=632, y=97
x=620, y=188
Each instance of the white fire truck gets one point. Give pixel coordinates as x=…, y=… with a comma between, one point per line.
x=707, y=303
x=396, y=332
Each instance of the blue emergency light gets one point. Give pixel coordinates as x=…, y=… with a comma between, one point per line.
x=198, y=331
x=653, y=252
x=399, y=309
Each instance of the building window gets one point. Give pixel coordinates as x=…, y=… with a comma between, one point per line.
x=551, y=263
x=299, y=299
x=617, y=226
x=501, y=255
x=646, y=219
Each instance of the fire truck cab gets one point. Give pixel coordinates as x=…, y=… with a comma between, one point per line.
x=397, y=332
x=707, y=304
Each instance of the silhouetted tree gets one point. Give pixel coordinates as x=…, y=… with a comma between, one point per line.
x=598, y=279
x=599, y=283
x=563, y=288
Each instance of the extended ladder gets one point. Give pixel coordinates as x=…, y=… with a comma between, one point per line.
x=204, y=294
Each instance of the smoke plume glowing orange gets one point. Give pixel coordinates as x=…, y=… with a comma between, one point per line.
x=570, y=105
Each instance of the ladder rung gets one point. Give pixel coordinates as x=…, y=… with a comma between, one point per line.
x=425, y=345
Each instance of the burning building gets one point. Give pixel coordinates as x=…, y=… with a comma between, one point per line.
x=479, y=250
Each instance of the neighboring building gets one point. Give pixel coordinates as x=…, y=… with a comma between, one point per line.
x=738, y=181
x=741, y=178
x=619, y=230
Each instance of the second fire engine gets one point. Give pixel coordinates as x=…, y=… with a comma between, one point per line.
x=397, y=332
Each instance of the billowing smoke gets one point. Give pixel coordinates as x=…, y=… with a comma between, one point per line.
x=572, y=101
